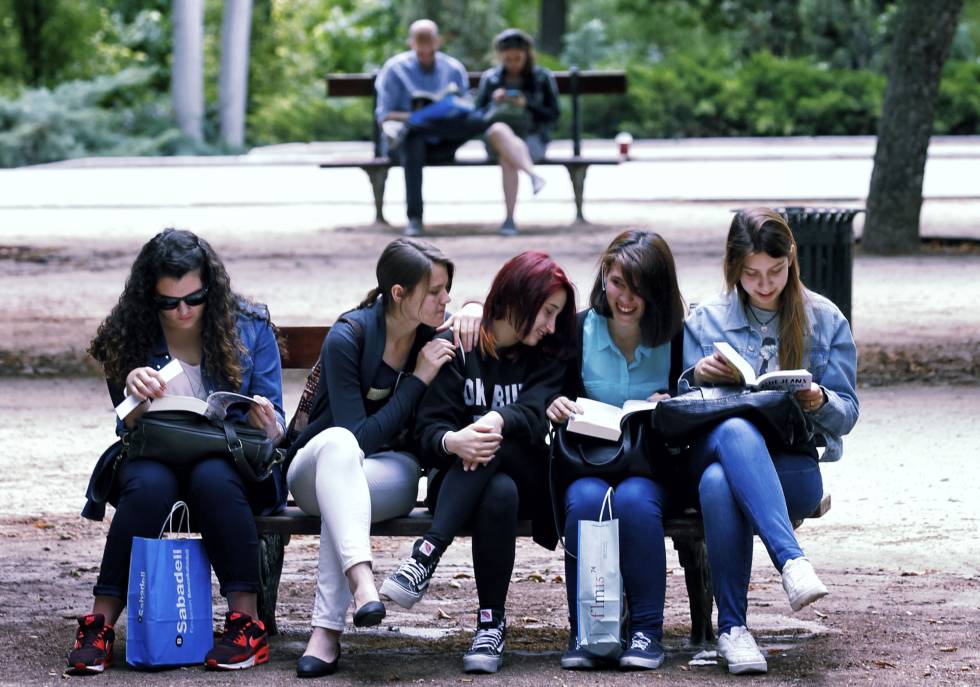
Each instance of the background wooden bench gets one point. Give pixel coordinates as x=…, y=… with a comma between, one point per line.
x=303, y=350
x=573, y=83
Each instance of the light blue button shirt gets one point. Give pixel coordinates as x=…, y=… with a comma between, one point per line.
x=606, y=374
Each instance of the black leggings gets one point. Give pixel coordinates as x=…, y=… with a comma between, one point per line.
x=490, y=500
x=217, y=498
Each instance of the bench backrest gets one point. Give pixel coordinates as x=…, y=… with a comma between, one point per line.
x=302, y=345
x=572, y=83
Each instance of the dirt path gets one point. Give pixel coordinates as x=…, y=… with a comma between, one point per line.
x=898, y=551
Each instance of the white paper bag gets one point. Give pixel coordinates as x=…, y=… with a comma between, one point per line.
x=600, y=585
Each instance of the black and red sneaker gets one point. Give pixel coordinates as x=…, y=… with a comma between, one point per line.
x=92, y=650
x=243, y=644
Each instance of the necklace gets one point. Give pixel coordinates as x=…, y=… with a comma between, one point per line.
x=763, y=325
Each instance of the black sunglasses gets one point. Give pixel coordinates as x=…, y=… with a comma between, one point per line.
x=192, y=299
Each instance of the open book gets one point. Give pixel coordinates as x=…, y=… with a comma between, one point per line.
x=214, y=408
x=778, y=380
x=423, y=98
x=602, y=420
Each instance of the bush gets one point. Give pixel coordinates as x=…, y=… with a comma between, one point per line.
x=958, y=105
x=110, y=115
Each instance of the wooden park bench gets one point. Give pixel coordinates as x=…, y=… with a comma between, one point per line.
x=303, y=350
x=573, y=83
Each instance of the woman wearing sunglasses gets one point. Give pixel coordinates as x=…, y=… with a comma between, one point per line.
x=178, y=305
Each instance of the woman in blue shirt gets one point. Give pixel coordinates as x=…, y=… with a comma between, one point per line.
x=745, y=486
x=626, y=340
x=178, y=305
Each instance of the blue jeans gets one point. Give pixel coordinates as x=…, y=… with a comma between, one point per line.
x=742, y=489
x=638, y=504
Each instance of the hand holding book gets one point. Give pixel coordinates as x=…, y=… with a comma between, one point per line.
x=742, y=372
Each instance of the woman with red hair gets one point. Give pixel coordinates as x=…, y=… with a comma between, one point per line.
x=481, y=428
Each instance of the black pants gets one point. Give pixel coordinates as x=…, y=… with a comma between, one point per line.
x=218, y=502
x=491, y=500
x=430, y=143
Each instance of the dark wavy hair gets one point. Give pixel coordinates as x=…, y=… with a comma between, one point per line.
x=648, y=268
x=518, y=292
x=126, y=337
x=763, y=230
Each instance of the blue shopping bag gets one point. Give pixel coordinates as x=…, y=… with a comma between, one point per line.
x=169, y=618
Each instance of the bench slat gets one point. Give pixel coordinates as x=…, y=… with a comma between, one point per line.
x=381, y=162
x=589, y=82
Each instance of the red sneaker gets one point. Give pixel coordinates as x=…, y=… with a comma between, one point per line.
x=92, y=650
x=243, y=644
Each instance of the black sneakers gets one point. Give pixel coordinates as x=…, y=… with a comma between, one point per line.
x=577, y=658
x=92, y=650
x=243, y=644
x=644, y=653
x=487, y=651
x=407, y=585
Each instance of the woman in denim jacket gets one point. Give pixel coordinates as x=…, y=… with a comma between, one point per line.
x=774, y=322
x=178, y=305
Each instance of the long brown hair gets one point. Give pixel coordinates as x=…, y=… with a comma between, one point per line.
x=407, y=263
x=126, y=337
x=648, y=268
x=763, y=230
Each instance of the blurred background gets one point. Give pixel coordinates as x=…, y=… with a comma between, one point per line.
x=101, y=77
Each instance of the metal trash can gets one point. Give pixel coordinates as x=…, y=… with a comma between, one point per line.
x=825, y=241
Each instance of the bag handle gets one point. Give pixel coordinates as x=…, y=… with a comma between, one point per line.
x=607, y=501
x=184, y=522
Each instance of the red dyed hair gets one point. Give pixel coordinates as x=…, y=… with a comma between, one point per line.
x=519, y=291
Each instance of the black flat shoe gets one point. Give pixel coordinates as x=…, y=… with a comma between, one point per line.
x=311, y=666
x=370, y=614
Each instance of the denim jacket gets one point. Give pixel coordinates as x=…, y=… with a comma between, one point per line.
x=830, y=355
x=261, y=374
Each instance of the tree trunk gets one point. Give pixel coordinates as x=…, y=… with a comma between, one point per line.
x=554, y=20
x=30, y=16
x=187, y=71
x=923, y=33
x=236, y=27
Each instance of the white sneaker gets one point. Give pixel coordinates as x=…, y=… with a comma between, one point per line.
x=537, y=183
x=801, y=583
x=740, y=652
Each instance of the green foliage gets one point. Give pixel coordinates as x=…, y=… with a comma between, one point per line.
x=696, y=67
x=109, y=115
x=958, y=105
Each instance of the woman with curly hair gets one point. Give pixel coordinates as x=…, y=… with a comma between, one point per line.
x=177, y=304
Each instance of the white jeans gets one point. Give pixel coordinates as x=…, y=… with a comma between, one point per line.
x=331, y=478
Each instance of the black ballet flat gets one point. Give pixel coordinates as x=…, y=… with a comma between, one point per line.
x=370, y=614
x=311, y=666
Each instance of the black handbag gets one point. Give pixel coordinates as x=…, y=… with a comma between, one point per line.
x=577, y=455
x=178, y=437
x=776, y=414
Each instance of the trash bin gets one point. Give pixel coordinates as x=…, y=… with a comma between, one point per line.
x=825, y=241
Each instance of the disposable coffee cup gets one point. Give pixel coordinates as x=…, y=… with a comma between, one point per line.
x=623, y=141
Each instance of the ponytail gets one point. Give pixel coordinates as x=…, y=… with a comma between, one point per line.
x=370, y=298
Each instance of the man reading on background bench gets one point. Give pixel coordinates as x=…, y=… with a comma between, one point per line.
x=422, y=74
